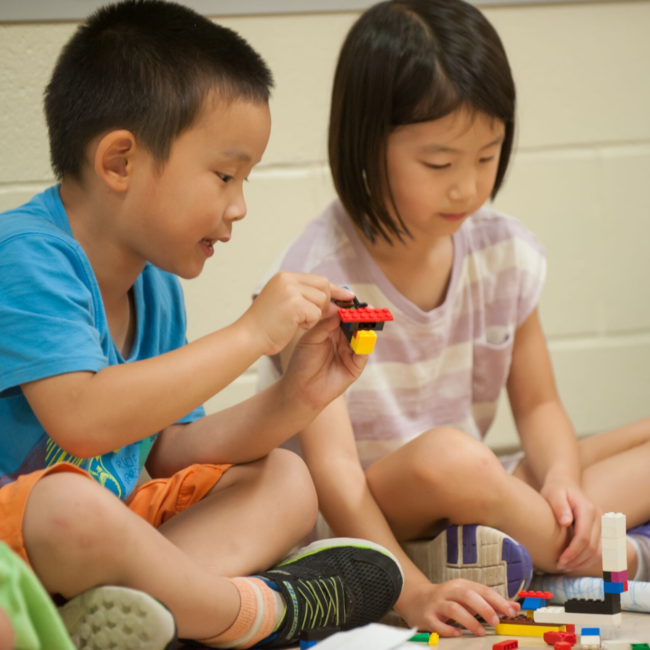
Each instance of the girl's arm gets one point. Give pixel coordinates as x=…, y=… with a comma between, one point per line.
x=550, y=443
x=350, y=509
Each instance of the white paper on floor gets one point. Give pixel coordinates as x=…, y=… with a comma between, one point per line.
x=369, y=637
x=636, y=599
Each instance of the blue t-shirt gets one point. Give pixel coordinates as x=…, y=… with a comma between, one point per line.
x=52, y=321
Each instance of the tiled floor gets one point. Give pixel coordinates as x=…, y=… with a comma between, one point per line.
x=635, y=626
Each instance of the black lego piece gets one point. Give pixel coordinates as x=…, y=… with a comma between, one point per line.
x=610, y=606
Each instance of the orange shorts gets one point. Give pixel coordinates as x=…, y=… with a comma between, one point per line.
x=155, y=501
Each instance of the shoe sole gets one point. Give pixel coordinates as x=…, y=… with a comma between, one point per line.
x=476, y=553
x=118, y=618
x=337, y=542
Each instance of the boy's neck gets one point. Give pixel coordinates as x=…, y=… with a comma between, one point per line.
x=95, y=226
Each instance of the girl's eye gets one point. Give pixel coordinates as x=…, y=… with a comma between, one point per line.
x=224, y=177
x=484, y=160
x=437, y=166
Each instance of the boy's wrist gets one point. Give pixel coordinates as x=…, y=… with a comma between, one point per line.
x=296, y=404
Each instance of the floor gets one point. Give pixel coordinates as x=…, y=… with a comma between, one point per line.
x=635, y=626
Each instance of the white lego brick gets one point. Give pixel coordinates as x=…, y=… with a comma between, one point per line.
x=615, y=543
x=615, y=521
x=589, y=639
x=590, y=645
x=611, y=533
x=558, y=616
x=614, y=559
x=618, y=644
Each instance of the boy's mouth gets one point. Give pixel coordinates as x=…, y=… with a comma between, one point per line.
x=207, y=246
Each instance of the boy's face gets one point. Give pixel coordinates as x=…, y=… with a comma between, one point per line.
x=442, y=171
x=177, y=216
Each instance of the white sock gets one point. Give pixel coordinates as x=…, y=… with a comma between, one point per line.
x=641, y=546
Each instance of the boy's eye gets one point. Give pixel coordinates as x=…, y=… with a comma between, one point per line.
x=437, y=166
x=224, y=177
x=484, y=160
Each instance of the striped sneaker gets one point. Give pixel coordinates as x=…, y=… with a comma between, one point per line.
x=118, y=617
x=334, y=584
x=477, y=553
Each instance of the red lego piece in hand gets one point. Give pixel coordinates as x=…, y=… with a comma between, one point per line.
x=365, y=315
x=510, y=644
x=544, y=595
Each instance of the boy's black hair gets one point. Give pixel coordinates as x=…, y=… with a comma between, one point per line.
x=403, y=62
x=146, y=66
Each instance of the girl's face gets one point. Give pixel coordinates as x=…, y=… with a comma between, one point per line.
x=440, y=172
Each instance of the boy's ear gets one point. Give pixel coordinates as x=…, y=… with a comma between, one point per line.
x=114, y=158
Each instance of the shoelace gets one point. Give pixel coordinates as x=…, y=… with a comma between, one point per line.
x=324, y=604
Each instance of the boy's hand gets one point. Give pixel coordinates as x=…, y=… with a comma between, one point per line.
x=572, y=506
x=322, y=365
x=288, y=302
x=431, y=606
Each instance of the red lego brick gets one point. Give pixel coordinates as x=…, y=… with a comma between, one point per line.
x=560, y=637
x=545, y=595
x=510, y=644
x=365, y=315
x=570, y=627
x=562, y=645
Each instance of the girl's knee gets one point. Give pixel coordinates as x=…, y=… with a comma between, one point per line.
x=446, y=456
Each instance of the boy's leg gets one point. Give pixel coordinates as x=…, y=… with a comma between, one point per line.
x=78, y=535
x=250, y=519
x=444, y=474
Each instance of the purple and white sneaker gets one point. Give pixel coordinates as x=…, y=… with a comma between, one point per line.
x=477, y=553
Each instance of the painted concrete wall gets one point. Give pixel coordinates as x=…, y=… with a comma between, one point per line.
x=579, y=180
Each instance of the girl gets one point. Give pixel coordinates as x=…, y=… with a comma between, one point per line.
x=421, y=132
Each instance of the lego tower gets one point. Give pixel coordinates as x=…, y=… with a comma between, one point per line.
x=598, y=612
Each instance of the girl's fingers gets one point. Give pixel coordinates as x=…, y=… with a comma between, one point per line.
x=478, y=605
x=434, y=624
x=457, y=612
x=499, y=604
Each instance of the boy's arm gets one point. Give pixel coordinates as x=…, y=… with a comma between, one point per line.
x=90, y=414
x=549, y=440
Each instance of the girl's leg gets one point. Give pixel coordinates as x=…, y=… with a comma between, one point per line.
x=615, y=471
x=444, y=474
x=78, y=536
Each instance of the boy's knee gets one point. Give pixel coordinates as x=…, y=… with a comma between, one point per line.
x=296, y=484
x=68, y=515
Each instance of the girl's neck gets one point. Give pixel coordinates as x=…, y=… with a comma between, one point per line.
x=420, y=268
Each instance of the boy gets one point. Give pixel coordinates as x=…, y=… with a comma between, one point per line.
x=156, y=116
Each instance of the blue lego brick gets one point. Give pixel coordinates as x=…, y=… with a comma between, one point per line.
x=614, y=587
x=590, y=631
x=533, y=603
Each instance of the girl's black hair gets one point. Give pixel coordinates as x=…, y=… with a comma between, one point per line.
x=146, y=66
x=403, y=62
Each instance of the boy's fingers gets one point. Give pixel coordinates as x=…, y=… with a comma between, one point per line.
x=434, y=624
x=340, y=293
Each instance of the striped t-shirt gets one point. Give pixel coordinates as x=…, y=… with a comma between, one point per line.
x=444, y=367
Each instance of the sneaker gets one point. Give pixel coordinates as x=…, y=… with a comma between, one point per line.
x=117, y=617
x=476, y=553
x=334, y=583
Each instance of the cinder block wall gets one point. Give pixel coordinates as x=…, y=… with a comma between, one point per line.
x=579, y=180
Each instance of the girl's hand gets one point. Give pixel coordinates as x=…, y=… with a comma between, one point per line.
x=322, y=366
x=431, y=606
x=572, y=506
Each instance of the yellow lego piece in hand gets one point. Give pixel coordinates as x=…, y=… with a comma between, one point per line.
x=363, y=341
x=433, y=638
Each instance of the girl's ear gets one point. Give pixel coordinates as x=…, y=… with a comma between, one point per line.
x=114, y=158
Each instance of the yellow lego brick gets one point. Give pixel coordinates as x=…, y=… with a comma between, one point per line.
x=433, y=639
x=506, y=629
x=363, y=342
